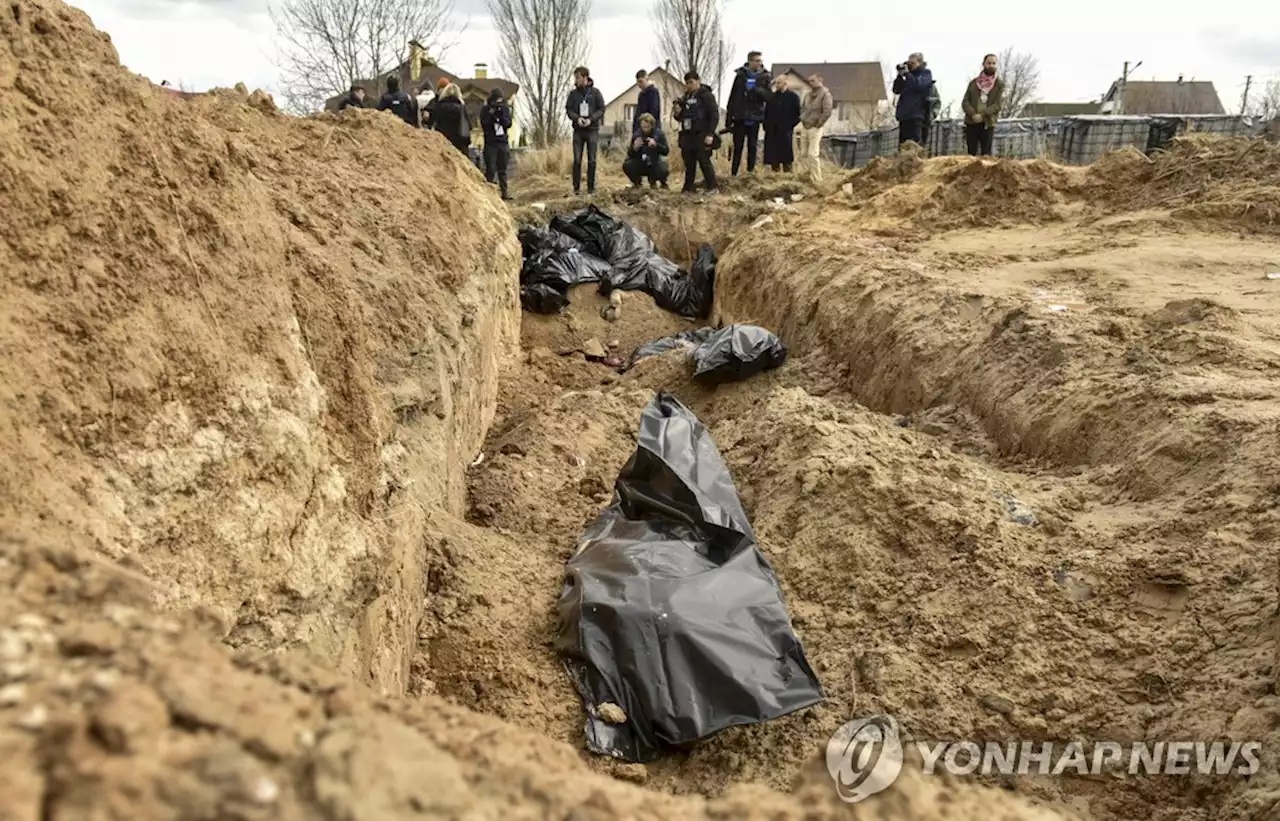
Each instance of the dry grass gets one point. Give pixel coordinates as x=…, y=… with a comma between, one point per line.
x=545, y=173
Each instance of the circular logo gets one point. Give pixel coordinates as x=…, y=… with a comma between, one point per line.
x=864, y=757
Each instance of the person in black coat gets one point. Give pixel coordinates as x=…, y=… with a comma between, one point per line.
x=647, y=154
x=495, y=120
x=781, y=117
x=399, y=102
x=648, y=101
x=585, y=107
x=450, y=119
x=752, y=88
x=354, y=99
x=698, y=115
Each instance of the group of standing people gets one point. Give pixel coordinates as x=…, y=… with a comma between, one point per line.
x=918, y=104
x=446, y=112
x=757, y=101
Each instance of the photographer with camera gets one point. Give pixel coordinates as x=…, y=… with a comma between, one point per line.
x=914, y=86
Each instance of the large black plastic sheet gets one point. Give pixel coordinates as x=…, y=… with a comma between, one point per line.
x=632, y=262
x=541, y=298
x=691, y=339
x=592, y=227
x=563, y=269
x=737, y=352
x=721, y=355
x=536, y=239
x=669, y=610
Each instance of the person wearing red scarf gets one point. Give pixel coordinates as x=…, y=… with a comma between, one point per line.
x=981, y=106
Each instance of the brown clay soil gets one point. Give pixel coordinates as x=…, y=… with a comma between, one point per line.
x=289, y=482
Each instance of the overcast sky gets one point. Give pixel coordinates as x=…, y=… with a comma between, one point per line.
x=1081, y=45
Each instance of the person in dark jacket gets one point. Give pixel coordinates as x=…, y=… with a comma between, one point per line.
x=399, y=102
x=450, y=119
x=648, y=102
x=698, y=115
x=781, y=116
x=745, y=110
x=354, y=99
x=441, y=85
x=913, y=86
x=981, y=106
x=495, y=119
x=646, y=156
x=585, y=108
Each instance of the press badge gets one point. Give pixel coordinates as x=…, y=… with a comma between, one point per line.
x=584, y=109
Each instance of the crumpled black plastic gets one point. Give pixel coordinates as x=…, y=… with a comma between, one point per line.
x=562, y=269
x=541, y=298
x=592, y=227
x=737, y=352
x=691, y=338
x=669, y=610
x=536, y=239
x=633, y=261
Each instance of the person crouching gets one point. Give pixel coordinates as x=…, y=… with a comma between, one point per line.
x=647, y=155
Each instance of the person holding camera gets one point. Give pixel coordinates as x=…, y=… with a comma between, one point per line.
x=913, y=85
x=495, y=119
x=698, y=115
x=745, y=110
x=981, y=106
x=647, y=156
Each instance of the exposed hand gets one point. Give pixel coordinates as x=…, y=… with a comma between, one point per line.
x=977, y=118
x=709, y=140
x=652, y=142
x=639, y=142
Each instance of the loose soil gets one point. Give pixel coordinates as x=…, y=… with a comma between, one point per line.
x=286, y=505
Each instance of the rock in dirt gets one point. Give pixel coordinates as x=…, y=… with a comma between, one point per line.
x=612, y=713
x=593, y=348
x=997, y=704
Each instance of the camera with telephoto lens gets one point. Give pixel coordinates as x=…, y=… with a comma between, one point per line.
x=901, y=67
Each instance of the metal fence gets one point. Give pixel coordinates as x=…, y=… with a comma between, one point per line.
x=1072, y=140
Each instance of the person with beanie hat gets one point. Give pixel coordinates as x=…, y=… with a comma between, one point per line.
x=441, y=85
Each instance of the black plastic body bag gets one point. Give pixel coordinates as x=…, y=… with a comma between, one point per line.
x=669, y=610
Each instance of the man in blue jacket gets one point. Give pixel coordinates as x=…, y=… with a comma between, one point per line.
x=649, y=101
x=750, y=94
x=913, y=86
x=585, y=108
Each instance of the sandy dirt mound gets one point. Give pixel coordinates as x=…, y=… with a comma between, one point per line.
x=1199, y=179
x=1135, y=418
x=951, y=192
x=226, y=348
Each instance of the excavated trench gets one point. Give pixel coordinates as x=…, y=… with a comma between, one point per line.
x=963, y=503
x=244, y=381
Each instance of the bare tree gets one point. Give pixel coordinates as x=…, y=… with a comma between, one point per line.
x=540, y=43
x=326, y=45
x=1021, y=74
x=1264, y=101
x=691, y=35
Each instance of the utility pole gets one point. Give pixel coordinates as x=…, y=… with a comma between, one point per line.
x=1118, y=108
x=1244, y=101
